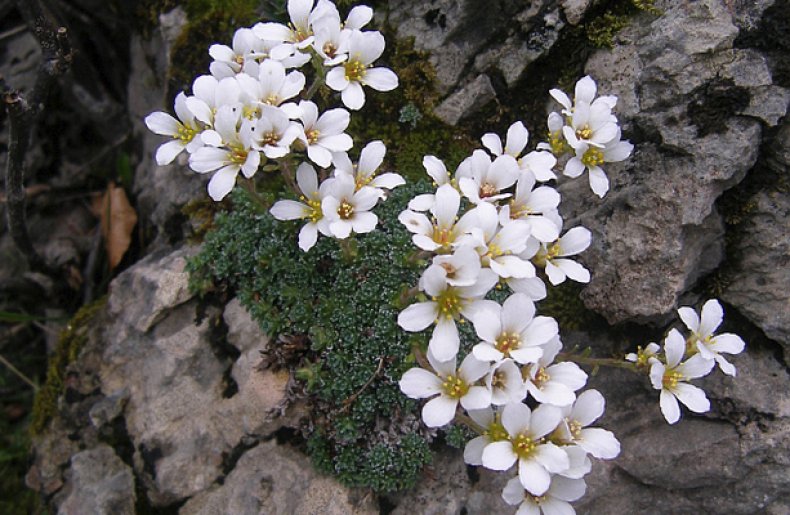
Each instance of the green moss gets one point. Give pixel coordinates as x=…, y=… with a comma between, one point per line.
x=70, y=342
x=347, y=312
x=563, y=303
x=602, y=29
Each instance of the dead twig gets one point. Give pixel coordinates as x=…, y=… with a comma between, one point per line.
x=23, y=112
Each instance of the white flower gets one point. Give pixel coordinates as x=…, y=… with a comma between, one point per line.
x=438, y=172
x=517, y=137
x=330, y=40
x=537, y=459
x=552, y=257
x=273, y=132
x=670, y=378
x=591, y=157
x=540, y=164
x=584, y=93
x=462, y=267
x=297, y=36
x=589, y=406
x=183, y=131
x=482, y=180
x=643, y=356
x=309, y=208
x=272, y=87
x=532, y=205
x=505, y=383
x=493, y=431
x=442, y=234
x=452, y=386
x=555, y=501
x=498, y=247
x=532, y=287
x=513, y=331
x=247, y=48
x=446, y=305
x=228, y=151
x=324, y=135
x=210, y=94
x=348, y=79
x=556, y=144
x=347, y=209
x=364, y=172
x=592, y=125
x=710, y=346
x=554, y=384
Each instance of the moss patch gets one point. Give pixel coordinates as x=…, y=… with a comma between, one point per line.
x=70, y=342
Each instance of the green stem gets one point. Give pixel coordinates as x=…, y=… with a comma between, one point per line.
x=468, y=422
x=288, y=176
x=249, y=187
x=349, y=248
x=319, y=81
x=597, y=362
x=19, y=374
x=320, y=76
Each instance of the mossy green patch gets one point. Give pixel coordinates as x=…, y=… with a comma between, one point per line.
x=363, y=425
x=70, y=342
x=602, y=29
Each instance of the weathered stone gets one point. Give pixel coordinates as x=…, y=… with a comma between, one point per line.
x=99, y=483
x=683, y=86
x=182, y=415
x=275, y=479
x=575, y=9
x=161, y=191
x=157, y=284
x=465, y=101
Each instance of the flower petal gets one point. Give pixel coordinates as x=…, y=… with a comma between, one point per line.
x=418, y=383
x=417, y=316
x=499, y=456
x=439, y=411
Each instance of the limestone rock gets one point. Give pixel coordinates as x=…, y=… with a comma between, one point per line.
x=687, y=91
x=465, y=101
x=274, y=479
x=161, y=190
x=182, y=415
x=100, y=483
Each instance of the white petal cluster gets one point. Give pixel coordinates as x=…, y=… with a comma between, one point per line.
x=683, y=359
x=254, y=108
x=491, y=224
x=586, y=134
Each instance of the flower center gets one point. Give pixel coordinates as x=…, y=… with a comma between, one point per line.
x=238, y=155
x=670, y=379
x=575, y=429
x=593, y=157
x=524, y=446
x=541, y=377
x=185, y=133
x=496, y=432
x=443, y=236
x=315, y=213
x=251, y=112
x=507, y=342
x=642, y=357
x=449, y=303
x=312, y=136
x=238, y=59
x=499, y=380
x=272, y=99
x=329, y=49
x=488, y=190
x=355, y=70
x=270, y=138
x=518, y=210
x=557, y=143
x=454, y=387
x=584, y=133
x=345, y=210
x=548, y=254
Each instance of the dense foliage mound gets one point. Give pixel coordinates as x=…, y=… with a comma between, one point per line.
x=340, y=304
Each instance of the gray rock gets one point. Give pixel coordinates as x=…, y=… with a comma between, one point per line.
x=161, y=190
x=99, y=483
x=466, y=101
x=575, y=9
x=657, y=231
x=181, y=417
x=158, y=283
x=274, y=479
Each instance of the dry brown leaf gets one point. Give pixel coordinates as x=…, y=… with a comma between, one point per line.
x=118, y=219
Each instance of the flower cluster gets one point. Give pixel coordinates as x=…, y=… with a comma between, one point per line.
x=255, y=107
x=586, y=133
x=683, y=359
x=494, y=225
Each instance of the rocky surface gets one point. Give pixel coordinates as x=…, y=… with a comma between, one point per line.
x=194, y=424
